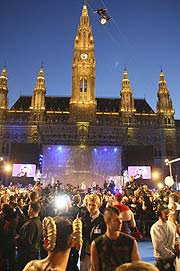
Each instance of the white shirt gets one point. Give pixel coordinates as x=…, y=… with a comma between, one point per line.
x=163, y=237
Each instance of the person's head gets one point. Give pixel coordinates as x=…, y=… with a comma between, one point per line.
x=77, y=199
x=163, y=212
x=124, y=200
x=112, y=219
x=93, y=204
x=34, y=209
x=137, y=266
x=34, y=196
x=20, y=202
x=145, y=187
x=134, y=200
x=58, y=233
x=119, y=197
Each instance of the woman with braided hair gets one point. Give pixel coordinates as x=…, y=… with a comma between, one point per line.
x=59, y=235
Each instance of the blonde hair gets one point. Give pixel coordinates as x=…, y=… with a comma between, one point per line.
x=137, y=266
x=49, y=232
x=95, y=198
x=59, y=232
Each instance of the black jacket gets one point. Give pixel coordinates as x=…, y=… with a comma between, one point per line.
x=91, y=230
x=30, y=235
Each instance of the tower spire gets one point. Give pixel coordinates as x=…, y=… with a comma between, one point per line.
x=3, y=89
x=127, y=101
x=83, y=102
x=127, y=108
x=4, y=71
x=38, y=98
x=164, y=104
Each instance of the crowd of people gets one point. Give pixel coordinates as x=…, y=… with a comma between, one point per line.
x=63, y=227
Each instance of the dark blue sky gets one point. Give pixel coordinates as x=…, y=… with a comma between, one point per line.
x=143, y=35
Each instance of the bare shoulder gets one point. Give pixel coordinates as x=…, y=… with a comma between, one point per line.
x=32, y=266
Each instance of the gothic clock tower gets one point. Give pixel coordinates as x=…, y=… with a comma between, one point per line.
x=83, y=102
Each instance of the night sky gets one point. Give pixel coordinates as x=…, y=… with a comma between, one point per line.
x=144, y=35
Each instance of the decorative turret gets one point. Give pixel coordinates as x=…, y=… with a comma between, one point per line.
x=127, y=101
x=3, y=90
x=164, y=104
x=83, y=102
x=38, y=98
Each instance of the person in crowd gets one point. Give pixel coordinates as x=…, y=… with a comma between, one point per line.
x=38, y=187
x=163, y=235
x=75, y=208
x=111, y=187
x=139, y=218
x=73, y=213
x=149, y=213
x=83, y=212
x=8, y=224
x=109, y=199
x=34, y=197
x=127, y=216
x=131, y=186
x=93, y=226
x=30, y=234
x=105, y=185
x=46, y=208
x=21, y=218
x=104, y=201
x=133, y=205
x=59, y=234
x=137, y=266
x=113, y=248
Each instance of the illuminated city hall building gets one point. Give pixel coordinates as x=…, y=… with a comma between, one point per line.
x=83, y=137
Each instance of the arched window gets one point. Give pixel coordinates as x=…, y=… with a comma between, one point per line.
x=83, y=85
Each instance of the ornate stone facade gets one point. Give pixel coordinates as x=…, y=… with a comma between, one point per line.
x=83, y=119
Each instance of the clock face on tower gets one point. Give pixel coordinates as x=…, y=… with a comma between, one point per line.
x=84, y=56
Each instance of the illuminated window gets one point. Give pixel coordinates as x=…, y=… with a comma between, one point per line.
x=83, y=85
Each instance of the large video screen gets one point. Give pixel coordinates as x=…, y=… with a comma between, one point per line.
x=23, y=170
x=142, y=172
x=75, y=164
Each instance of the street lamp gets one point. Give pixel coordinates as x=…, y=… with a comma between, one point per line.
x=168, y=163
